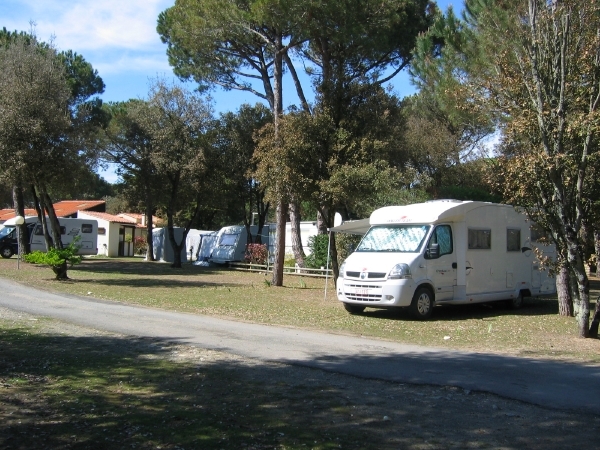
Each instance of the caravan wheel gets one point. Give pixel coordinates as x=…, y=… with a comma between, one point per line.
x=6, y=252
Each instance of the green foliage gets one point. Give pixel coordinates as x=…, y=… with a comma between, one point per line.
x=318, y=247
x=56, y=258
x=346, y=243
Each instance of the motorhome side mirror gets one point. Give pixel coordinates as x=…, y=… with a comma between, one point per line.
x=525, y=249
x=433, y=251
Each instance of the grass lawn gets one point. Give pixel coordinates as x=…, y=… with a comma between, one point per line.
x=536, y=330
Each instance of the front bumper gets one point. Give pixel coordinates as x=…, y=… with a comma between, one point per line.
x=377, y=294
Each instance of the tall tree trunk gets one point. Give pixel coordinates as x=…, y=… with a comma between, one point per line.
x=296, y=235
x=582, y=299
x=281, y=213
x=19, y=205
x=563, y=291
x=595, y=320
x=40, y=209
x=149, y=228
x=282, y=205
x=60, y=270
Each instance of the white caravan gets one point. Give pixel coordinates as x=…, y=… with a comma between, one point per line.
x=86, y=229
x=444, y=252
x=231, y=243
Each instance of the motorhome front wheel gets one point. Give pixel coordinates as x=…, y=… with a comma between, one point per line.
x=421, y=306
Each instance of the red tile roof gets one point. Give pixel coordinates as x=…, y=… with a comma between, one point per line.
x=63, y=209
x=70, y=207
x=6, y=214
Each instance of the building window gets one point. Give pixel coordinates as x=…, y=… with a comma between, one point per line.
x=101, y=231
x=513, y=240
x=480, y=239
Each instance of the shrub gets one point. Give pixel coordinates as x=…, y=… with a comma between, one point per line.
x=140, y=246
x=57, y=260
x=256, y=254
x=318, y=247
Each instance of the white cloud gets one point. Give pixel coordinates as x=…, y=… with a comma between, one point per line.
x=83, y=25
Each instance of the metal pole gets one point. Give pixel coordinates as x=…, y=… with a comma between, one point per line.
x=327, y=266
x=18, y=246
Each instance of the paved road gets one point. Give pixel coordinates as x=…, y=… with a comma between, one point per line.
x=553, y=384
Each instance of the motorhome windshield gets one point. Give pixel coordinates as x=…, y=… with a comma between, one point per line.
x=5, y=231
x=394, y=238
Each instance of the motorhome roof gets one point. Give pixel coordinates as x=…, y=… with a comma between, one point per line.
x=428, y=212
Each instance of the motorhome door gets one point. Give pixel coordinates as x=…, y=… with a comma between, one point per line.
x=441, y=262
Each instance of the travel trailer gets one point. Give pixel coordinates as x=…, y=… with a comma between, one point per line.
x=231, y=243
x=86, y=229
x=444, y=252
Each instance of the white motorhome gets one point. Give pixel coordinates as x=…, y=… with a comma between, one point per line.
x=444, y=252
x=86, y=229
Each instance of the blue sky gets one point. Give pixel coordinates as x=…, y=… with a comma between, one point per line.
x=118, y=37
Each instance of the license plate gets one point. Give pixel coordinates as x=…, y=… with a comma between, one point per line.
x=361, y=291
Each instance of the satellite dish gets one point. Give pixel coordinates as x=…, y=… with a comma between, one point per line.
x=337, y=221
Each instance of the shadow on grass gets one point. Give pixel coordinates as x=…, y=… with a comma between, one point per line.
x=482, y=311
x=99, y=392
x=137, y=267
x=153, y=283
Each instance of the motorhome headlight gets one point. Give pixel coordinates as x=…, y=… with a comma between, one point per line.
x=343, y=270
x=399, y=272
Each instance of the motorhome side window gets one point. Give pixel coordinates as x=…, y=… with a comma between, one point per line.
x=63, y=230
x=86, y=228
x=538, y=234
x=394, y=238
x=513, y=240
x=442, y=236
x=38, y=231
x=480, y=239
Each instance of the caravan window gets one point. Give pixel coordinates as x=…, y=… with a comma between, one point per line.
x=394, y=238
x=480, y=239
x=513, y=240
x=86, y=228
x=39, y=231
x=538, y=234
x=229, y=240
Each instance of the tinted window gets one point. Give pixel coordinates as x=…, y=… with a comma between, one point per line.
x=513, y=240
x=86, y=228
x=480, y=239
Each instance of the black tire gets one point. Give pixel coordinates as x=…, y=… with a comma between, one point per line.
x=6, y=252
x=353, y=309
x=421, y=306
x=515, y=303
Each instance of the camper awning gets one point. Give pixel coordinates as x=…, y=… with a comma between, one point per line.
x=352, y=227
